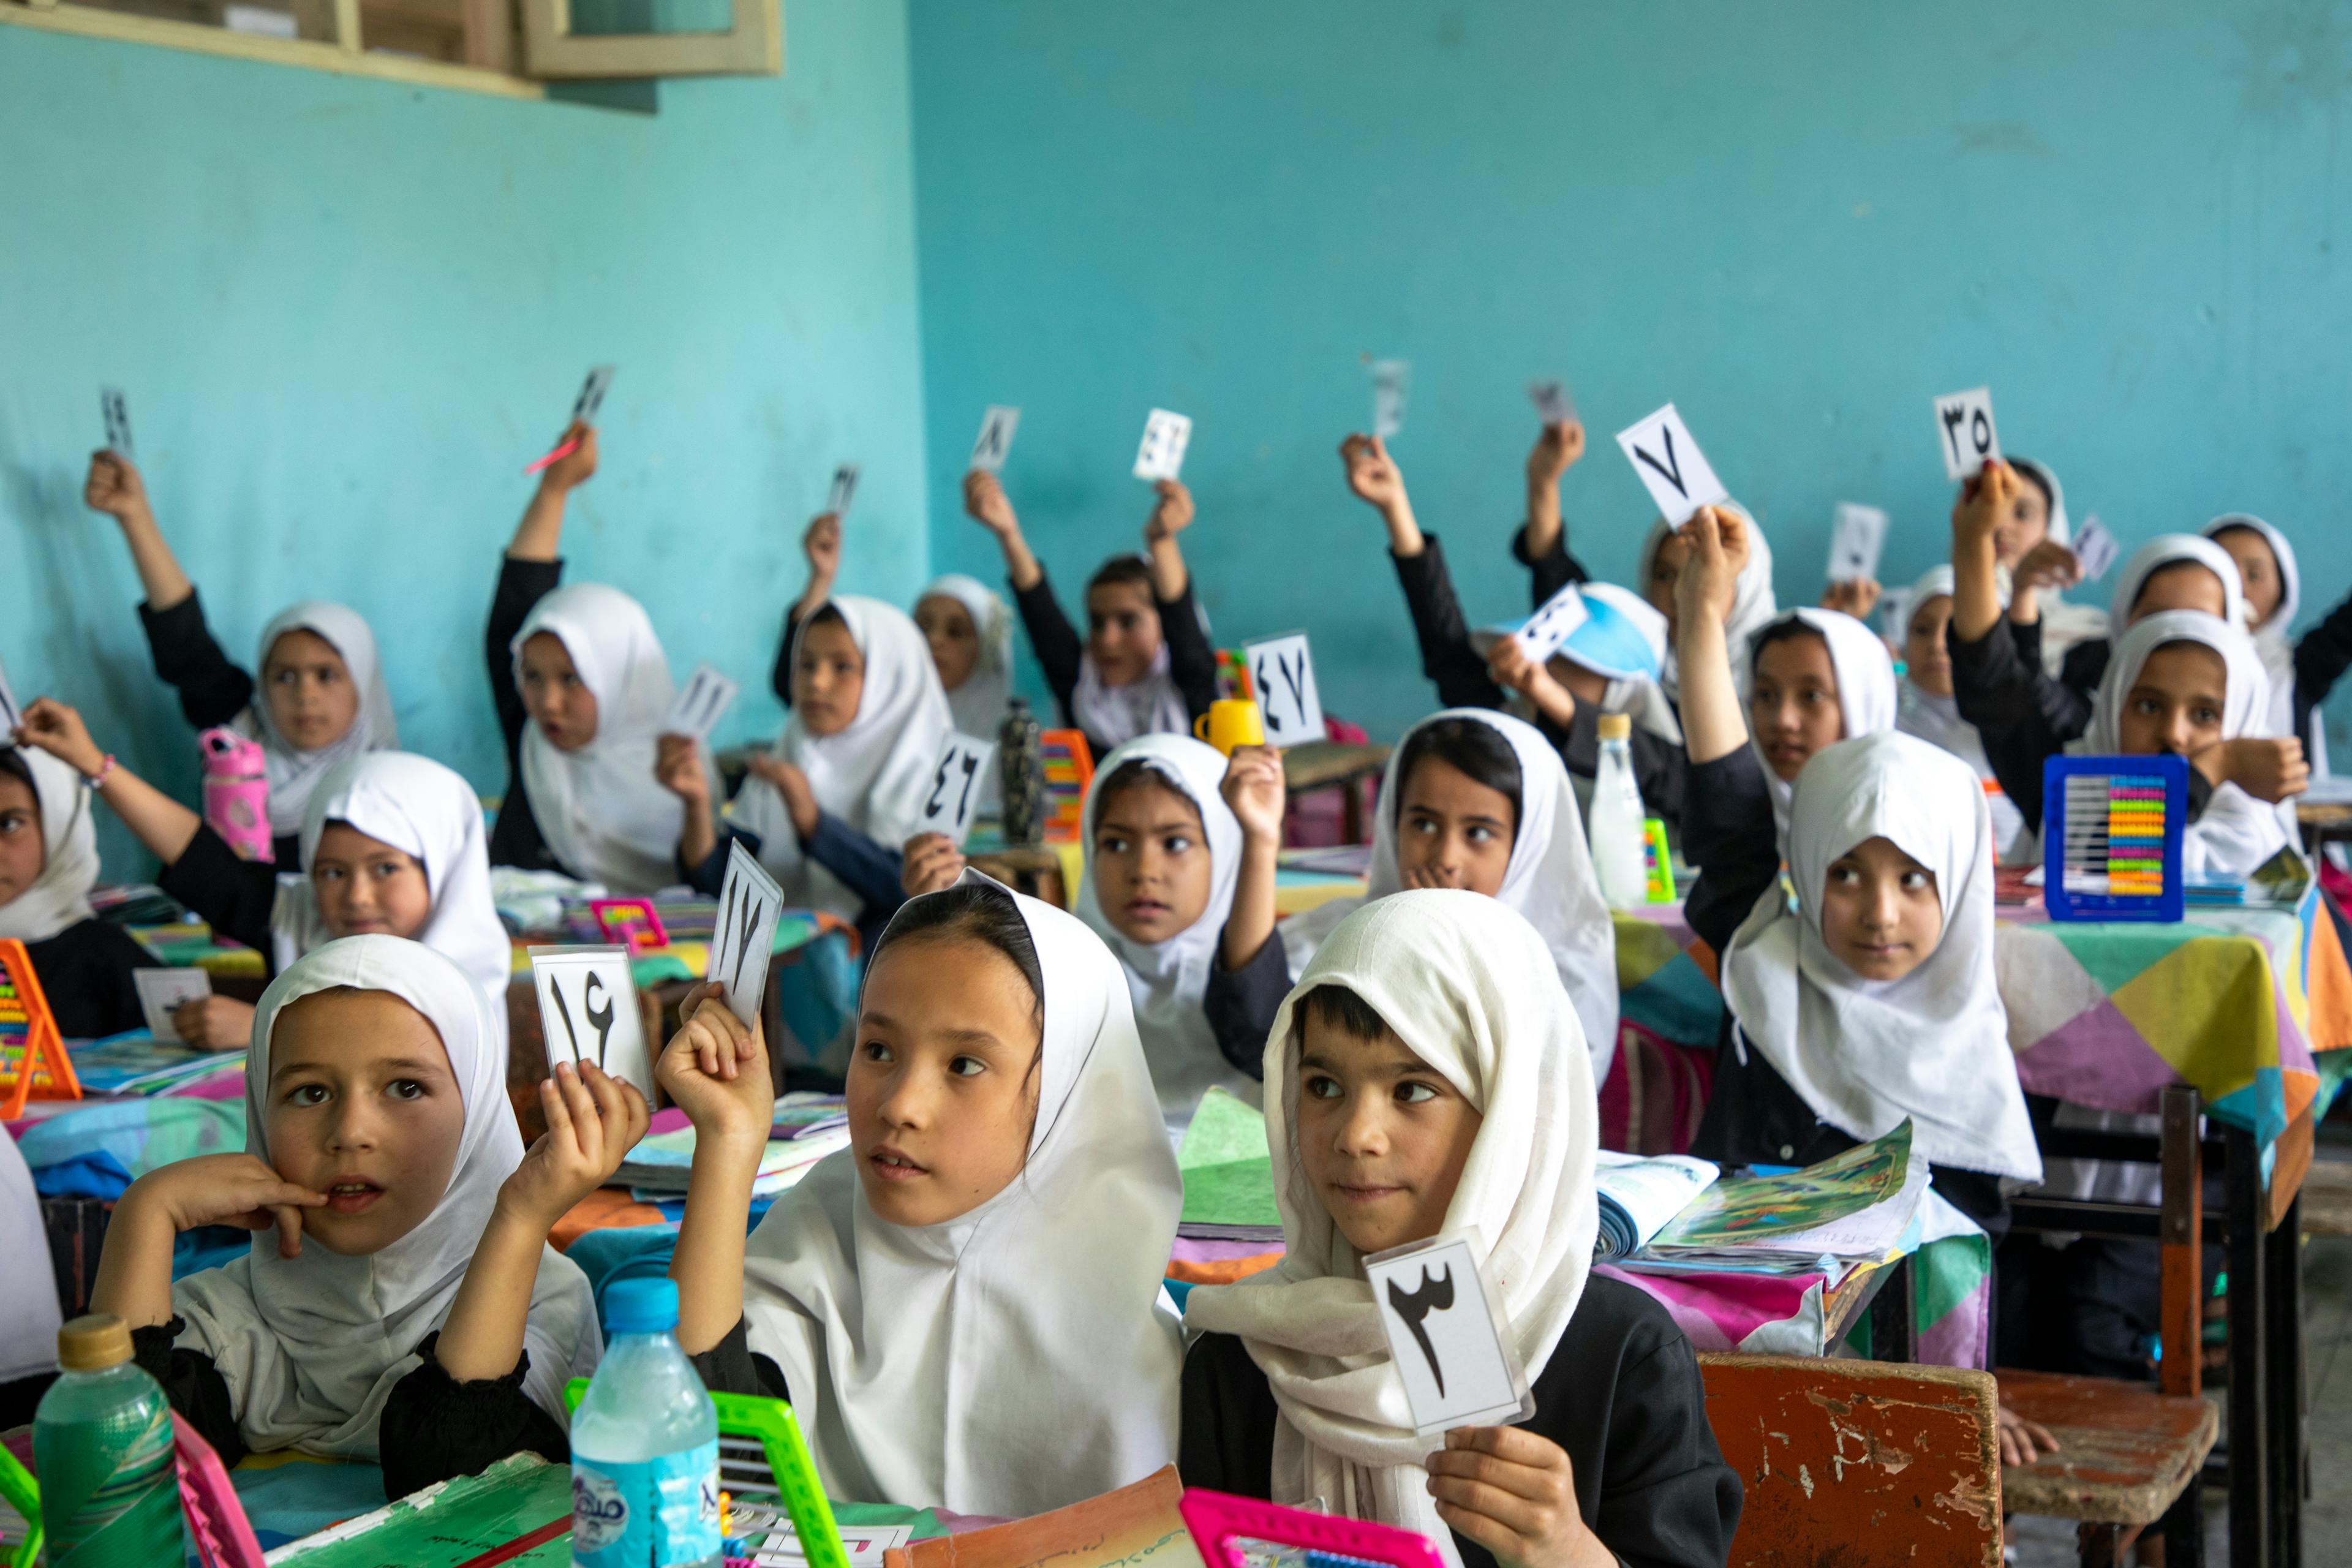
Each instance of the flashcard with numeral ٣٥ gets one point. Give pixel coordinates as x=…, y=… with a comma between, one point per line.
x=588, y=1011
x=1964, y=429
x=749, y=903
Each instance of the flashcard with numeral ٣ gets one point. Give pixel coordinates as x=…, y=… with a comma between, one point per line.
x=749, y=903
x=588, y=1011
x=1449, y=1342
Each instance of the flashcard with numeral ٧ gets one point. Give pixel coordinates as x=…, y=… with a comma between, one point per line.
x=588, y=1011
x=1282, y=675
x=1964, y=428
x=1165, y=437
x=1670, y=467
x=749, y=903
x=1449, y=1343
x=995, y=442
x=957, y=784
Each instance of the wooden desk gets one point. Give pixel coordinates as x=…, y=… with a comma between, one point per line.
x=2322, y=820
x=1329, y=764
x=1032, y=868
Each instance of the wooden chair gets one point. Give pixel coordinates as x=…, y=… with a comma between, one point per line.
x=1857, y=1462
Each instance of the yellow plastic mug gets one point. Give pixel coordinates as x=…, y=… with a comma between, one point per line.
x=1231, y=722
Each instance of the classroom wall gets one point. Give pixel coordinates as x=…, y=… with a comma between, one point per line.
x=347, y=312
x=1800, y=223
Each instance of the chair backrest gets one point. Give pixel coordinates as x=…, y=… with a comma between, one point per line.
x=1834, y=1454
x=217, y=1528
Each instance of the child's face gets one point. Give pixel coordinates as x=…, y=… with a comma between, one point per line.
x=1666, y=567
x=1122, y=631
x=1150, y=861
x=361, y=1106
x=942, y=1086
x=2183, y=586
x=1880, y=913
x=365, y=885
x=2027, y=524
x=2258, y=570
x=311, y=698
x=1793, y=706
x=21, y=853
x=955, y=641
x=828, y=677
x=1381, y=1135
x=1926, y=658
x=558, y=700
x=1453, y=831
x=2176, y=703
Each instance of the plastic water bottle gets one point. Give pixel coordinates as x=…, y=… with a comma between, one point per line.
x=102, y=1446
x=645, y=1444
x=1617, y=817
x=237, y=792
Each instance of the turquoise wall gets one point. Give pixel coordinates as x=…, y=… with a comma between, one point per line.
x=346, y=313
x=1797, y=222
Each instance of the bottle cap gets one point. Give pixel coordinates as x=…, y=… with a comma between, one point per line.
x=93, y=1343
x=641, y=1307
x=1616, y=726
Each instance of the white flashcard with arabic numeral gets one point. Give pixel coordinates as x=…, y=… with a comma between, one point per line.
x=749, y=903
x=958, y=782
x=588, y=1011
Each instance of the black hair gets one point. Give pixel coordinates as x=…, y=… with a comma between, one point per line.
x=1128, y=775
x=1337, y=1007
x=1470, y=746
x=975, y=908
x=1787, y=629
x=13, y=763
x=1123, y=569
x=2030, y=472
x=830, y=616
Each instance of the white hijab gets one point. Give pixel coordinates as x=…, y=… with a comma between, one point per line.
x=1936, y=719
x=978, y=705
x=1933, y=1046
x=1148, y=705
x=1752, y=604
x=2171, y=549
x=428, y=813
x=1866, y=694
x=604, y=814
x=2271, y=639
x=1011, y=1360
x=874, y=774
x=311, y=1345
x=29, y=1318
x=2236, y=833
x=295, y=772
x=1167, y=980
x=59, y=896
x=1463, y=982
x=2062, y=625
x=1549, y=879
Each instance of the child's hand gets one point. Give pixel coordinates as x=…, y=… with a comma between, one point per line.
x=932, y=861
x=1555, y=452
x=1983, y=502
x=594, y=1119
x=716, y=1070
x=2023, y=1441
x=1255, y=790
x=1372, y=474
x=1508, y=664
x=2048, y=564
x=1856, y=596
x=821, y=546
x=1171, y=514
x=576, y=467
x=1709, y=584
x=215, y=1023
x=114, y=487
x=985, y=502
x=678, y=765
x=2268, y=769
x=799, y=799
x=225, y=1189
x=1514, y=1493
x=59, y=731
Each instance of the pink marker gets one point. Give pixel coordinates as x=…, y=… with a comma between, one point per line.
x=559, y=454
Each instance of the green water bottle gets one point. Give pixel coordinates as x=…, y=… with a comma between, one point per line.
x=102, y=1449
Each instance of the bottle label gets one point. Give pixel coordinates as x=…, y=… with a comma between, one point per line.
x=133, y=1514
x=646, y=1513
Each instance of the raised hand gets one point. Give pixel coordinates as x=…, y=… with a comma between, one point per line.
x=114, y=487
x=932, y=861
x=1172, y=513
x=715, y=1069
x=1856, y=596
x=576, y=467
x=1372, y=473
x=985, y=502
x=1709, y=584
x=821, y=546
x=1255, y=790
x=678, y=765
x=1555, y=452
x=58, y=729
x=1982, y=503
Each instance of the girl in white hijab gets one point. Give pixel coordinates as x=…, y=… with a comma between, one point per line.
x=1428, y=1076
x=961, y=1304
x=1927, y=707
x=2273, y=584
x=2039, y=563
x=400, y=1302
x=970, y=627
x=49, y=862
x=1753, y=606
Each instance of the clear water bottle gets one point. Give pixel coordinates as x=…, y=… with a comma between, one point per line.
x=102, y=1446
x=1617, y=816
x=645, y=1444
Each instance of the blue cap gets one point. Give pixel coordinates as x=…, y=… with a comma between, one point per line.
x=641, y=1306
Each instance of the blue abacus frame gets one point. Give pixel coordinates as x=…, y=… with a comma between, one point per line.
x=2065, y=906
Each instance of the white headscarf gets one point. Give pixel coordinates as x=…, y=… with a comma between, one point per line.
x=2172, y=550
x=295, y=772
x=59, y=896
x=1011, y=1360
x=978, y=705
x=2271, y=639
x=2062, y=625
x=311, y=1345
x=873, y=773
x=1933, y=1046
x=1150, y=704
x=1549, y=879
x=1752, y=604
x=1167, y=980
x=604, y=814
x=428, y=813
x=1866, y=694
x=1463, y=982
x=2236, y=833
x=1936, y=719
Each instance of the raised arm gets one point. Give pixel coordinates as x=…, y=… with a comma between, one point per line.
x=716, y=1070
x=1377, y=481
x=162, y=824
x=540, y=535
x=1171, y=514
x=1713, y=724
x=115, y=488
x=1555, y=452
x=985, y=502
x=1983, y=501
x=1253, y=790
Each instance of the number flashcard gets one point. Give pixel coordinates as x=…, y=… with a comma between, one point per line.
x=1542, y=633
x=162, y=992
x=1553, y=405
x=588, y=1011
x=844, y=486
x=697, y=709
x=749, y=903
x=956, y=785
x=1670, y=467
x=1388, y=379
x=1282, y=675
x=591, y=395
x=1451, y=1347
x=2094, y=548
x=1855, y=540
x=1964, y=425
x=1165, y=437
x=116, y=408
x=996, y=443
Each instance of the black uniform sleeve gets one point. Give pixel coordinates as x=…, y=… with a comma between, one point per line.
x=85, y=970
x=1192, y=662
x=1446, y=655
x=1227, y=1416
x=213, y=690
x=193, y=1385
x=782, y=677
x=731, y=1366
x=1661, y=768
x=1728, y=833
x=2021, y=713
x=868, y=868
x=1241, y=1002
x=515, y=838
x=1053, y=640
x=1550, y=572
x=709, y=878
x=434, y=1427
x=2320, y=660
x=2080, y=672
x=234, y=897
